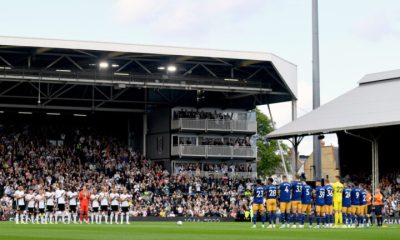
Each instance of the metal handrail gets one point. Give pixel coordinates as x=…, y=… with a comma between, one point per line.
x=214, y=151
x=219, y=174
x=214, y=125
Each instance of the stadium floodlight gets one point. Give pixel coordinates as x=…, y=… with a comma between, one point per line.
x=79, y=115
x=171, y=68
x=121, y=74
x=63, y=70
x=53, y=114
x=103, y=65
x=161, y=68
x=121, y=86
x=231, y=79
x=114, y=65
x=25, y=113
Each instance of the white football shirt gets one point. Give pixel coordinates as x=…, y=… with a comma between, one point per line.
x=60, y=196
x=104, y=199
x=72, y=198
x=95, y=200
x=21, y=200
x=41, y=200
x=125, y=200
x=31, y=200
x=114, y=199
x=50, y=198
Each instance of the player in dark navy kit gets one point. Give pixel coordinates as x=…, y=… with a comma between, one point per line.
x=328, y=208
x=258, y=203
x=296, y=188
x=355, y=205
x=346, y=205
x=284, y=201
x=363, y=206
x=319, y=203
x=306, y=204
x=272, y=193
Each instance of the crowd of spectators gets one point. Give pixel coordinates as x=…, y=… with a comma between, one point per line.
x=196, y=114
x=30, y=158
x=390, y=187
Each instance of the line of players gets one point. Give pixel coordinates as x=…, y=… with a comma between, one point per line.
x=333, y=203
x=62, y=206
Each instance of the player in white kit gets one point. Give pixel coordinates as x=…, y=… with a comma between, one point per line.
x=19, y=197
x=104, y=199
x=114, y=197
x=73, y=202
x=126, y=199
x=94, y=200
x=50, y=206
x=30, y=199
x=60, y=199
x=40, y=204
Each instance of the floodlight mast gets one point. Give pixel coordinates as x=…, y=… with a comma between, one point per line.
x=316, y=86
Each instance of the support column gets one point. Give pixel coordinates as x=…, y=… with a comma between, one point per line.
x=294, y=141
x=316, y=86
x=375, y=165
x=294, y=110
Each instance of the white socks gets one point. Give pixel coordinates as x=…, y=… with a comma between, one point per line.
x=50, y=217
x=126, y=218
x=95, y=217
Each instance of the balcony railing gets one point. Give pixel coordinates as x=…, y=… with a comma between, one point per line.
x=214, y=125
x=214, y=174
x=214, y=151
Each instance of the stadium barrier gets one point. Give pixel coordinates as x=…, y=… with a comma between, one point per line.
x=214, y=125
x=386, y=220
x=214, y=151
x=183, y=219
x=168, y=219
x=391, y=220
x=250, y=175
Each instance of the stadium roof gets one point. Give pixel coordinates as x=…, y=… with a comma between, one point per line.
x=374, y=103
x=249, y=78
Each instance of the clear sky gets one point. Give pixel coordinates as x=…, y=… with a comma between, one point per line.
x=356, y=36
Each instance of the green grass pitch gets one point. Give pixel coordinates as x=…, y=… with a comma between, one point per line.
x=188, y=231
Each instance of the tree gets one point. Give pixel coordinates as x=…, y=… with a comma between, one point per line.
x=269, y=159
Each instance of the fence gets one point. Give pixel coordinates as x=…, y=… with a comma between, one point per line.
x=215, y=125
x=214, y=151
